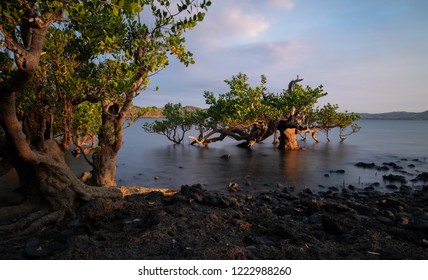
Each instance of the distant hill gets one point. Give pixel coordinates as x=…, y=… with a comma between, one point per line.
x=155, y=112
x=152, y=112
x=396, y=116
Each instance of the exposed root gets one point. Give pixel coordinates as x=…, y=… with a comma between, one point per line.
x=43, y=221
x=9, y=213
x=22, y=225
x=33, y=223
x=131, y=190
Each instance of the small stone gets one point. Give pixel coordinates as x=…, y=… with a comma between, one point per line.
x=233, y=187
x=389, y=214
x=156, y=177
x=403, y=221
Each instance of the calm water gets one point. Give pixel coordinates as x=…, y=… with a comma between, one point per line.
x=151, y=160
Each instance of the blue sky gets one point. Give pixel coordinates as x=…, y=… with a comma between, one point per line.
x=370, y=55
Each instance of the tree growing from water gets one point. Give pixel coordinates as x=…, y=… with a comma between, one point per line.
x=177, y=122
x=112, y=54
x=251, y=115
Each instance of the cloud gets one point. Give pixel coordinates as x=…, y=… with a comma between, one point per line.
x=286, y=4
x=234, y=21
x=271, y=53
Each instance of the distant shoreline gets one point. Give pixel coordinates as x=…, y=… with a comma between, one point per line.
x=396, y=116
x=157, y=113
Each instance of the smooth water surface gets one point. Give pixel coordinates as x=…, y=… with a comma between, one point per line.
x=151, y=160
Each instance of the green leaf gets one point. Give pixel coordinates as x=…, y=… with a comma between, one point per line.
x=115, y=11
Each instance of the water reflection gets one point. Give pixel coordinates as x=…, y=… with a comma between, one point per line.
x=151, y=160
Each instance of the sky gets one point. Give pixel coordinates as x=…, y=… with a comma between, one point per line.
x=371, y=56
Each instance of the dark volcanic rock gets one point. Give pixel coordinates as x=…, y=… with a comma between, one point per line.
x=199, y=224
x=422, y=177
x=394, y=178
x=393, y=165
x=366, y=165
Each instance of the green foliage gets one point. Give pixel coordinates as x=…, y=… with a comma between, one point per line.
x=300, y=99
x=242, y=106
x=106, y=52
x=87, y=119
x=327, y=118
x=251, y=114
x=178, y=121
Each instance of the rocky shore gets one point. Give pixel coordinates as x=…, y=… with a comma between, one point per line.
x=198, y=224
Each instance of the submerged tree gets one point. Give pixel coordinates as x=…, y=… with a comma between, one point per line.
x=118, y=53
x=251, y=115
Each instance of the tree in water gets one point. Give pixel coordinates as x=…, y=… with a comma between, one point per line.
x=178, y=121
x=50, y=188
x=251, y=114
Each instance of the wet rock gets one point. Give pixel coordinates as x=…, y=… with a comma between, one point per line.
x=407, y=190
x=411, y=165
x=327, y=175
x=366, y=165
x=393, y=165
x=383, y=168
x=369, y=188
x=339, y=171
x=391, y=187
x=346, y=191
x=226, y=156
x=391, y=202
x=394, y=178
x=333, y=189
x=422, y=177
x=351, y=187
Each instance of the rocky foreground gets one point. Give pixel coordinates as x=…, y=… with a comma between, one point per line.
x=199, y=224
